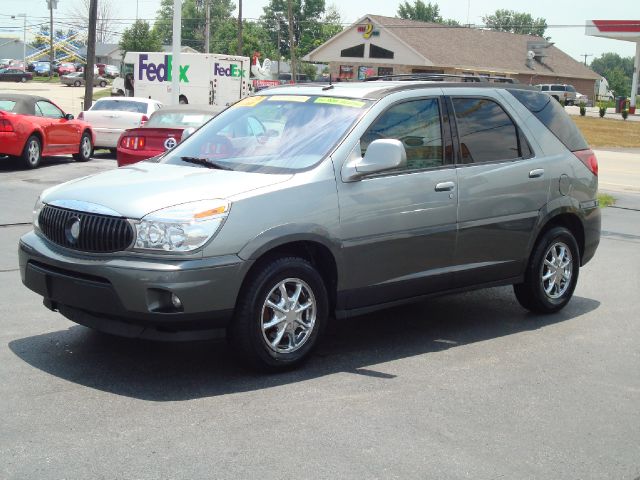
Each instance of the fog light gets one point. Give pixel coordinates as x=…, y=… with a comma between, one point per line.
x=175, y=301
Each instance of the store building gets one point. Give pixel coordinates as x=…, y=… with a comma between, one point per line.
x=377, y=45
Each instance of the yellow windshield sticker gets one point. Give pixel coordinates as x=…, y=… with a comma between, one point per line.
x=343, y=102
x=249, y=101
x=288, y=98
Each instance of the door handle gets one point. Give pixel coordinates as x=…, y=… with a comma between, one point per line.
x=445, y=186
x=537, y=173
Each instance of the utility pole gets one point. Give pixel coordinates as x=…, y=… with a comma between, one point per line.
x=207, y=25
x=91, y=54
x=279, y=40
x=239, y=52
x=292, y=47
x=24, y=39
x=175, y=61
x=52, y=4
x=585, y=55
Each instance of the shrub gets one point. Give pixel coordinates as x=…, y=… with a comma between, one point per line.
x=625, y=114
x=602, y=109
x=583, y=109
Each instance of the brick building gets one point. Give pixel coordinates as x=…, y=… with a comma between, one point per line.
x=377, y=45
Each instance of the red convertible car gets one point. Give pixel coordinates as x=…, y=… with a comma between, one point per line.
x=32, y=127
x=162, y=131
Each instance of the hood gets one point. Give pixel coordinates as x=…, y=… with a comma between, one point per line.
x=145, y=187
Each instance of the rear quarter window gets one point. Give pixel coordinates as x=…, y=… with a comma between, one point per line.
x=7, y=105
x=553, y=116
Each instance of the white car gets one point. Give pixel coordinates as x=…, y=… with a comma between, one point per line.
x=581, y=98
x=111, y=116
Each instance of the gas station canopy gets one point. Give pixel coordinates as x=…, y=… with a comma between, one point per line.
x=626, y=30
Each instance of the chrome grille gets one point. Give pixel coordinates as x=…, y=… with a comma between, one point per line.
x=96, y=233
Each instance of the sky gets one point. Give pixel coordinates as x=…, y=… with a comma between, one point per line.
x=566, y=18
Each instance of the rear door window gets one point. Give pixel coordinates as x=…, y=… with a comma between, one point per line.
x=485, y=131
x=558, y=88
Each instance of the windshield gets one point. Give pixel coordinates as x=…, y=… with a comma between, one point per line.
x=178, y=119
x=271, y=134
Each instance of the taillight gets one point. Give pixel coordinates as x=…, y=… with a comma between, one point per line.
x=5, y=125
x=81, y=116
x=143, y=120
x=589, y=159
x=133, y=143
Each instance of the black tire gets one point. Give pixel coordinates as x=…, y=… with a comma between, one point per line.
x=23, y=79
x=76, y=83
x=532, y=294
x=183, y=100
x=103, y=84
x=246, y=332
x=86, y=149
x=113, y=151
x=31, y=153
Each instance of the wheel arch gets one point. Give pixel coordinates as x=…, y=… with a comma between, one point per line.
x=569, y=220
x=312, y=250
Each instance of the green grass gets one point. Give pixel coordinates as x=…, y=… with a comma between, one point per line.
x=53, y=79
x=605, y=200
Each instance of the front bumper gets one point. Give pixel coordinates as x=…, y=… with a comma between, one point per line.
x=131, y=296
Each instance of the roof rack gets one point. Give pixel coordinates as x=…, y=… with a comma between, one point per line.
x=439, y=77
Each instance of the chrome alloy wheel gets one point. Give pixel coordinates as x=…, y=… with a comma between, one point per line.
x=33, y=152
x=288, y=316
x=85, y=147
x=557, y=270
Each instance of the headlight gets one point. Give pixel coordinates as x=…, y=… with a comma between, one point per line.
x=181, y=228
x=36, y=213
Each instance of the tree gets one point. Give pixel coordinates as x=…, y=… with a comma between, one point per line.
x=140, y=38
x=254, y=39
x=104, y=32
x=515, y=22
x=193, y=21
x=616, y=69
x=312, y=24
x=422, y=12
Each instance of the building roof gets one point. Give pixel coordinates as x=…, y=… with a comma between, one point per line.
x=476, y=49
x=102, y=49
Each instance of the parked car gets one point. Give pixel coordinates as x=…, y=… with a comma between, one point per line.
x=41, y=68
x=65, y=68
x=33, y=127
x=561, y=92
x=581, y=98
x=111, y=71
x=111, y=116
x=14, y=75
x=76, y=79
x=303, y=202
x=162, y=132
x=5, y=62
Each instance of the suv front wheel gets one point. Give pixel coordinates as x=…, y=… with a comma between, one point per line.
x=552, y=272
x=280, y=314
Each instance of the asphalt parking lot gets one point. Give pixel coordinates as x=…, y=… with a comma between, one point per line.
x=69, y=99
x=465, y=386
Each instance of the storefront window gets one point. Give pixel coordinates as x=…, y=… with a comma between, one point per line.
x=385, y=71
x=345, y=72
x=364, y=72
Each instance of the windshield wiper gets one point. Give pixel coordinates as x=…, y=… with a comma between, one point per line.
x=205, y=162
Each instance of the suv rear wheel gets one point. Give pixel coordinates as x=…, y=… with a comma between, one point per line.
x=280, y=314
x=552, y=272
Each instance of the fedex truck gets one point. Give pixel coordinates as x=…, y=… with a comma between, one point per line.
x=205, y=79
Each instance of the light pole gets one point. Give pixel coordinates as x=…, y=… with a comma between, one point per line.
x=24, y=39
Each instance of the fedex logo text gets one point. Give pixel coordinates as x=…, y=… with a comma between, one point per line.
x=159, y=72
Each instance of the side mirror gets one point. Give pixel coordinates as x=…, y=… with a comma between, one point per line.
x=186, y=133
x=381, y=155
x=69, y=116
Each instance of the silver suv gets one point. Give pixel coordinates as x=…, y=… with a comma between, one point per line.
x=561, y=92
x=305, y=202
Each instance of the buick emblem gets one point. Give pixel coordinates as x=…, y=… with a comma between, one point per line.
x=169, y=143
x=72, y=230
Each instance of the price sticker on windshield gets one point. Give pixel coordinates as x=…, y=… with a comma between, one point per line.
x=288, y=98
x=343, y=102
x=249, y=101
